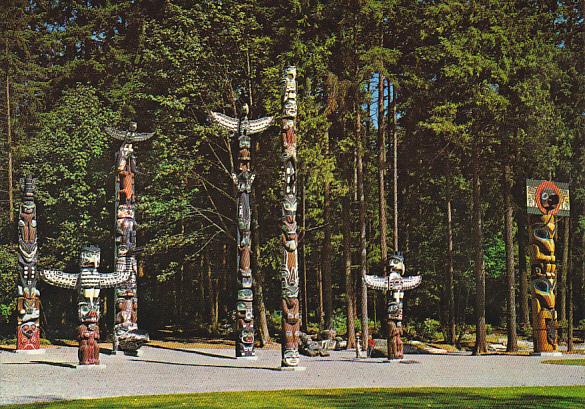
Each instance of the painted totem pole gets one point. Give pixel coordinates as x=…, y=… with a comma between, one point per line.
x=127, y=336
x=545, y=201
x=394, y=285
x=88, y=283
x=29, y=303
x=291, y=320
x=243, y=128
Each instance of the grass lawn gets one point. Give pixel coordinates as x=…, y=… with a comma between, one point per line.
x=579, y=361
x=527, y=397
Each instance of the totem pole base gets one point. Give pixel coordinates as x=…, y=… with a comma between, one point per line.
x=247, y=358
x=30, y=351
x=293, y=368
x=80, y=366
x=547, y=354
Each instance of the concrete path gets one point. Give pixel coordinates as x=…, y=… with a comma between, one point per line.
x=53, y=376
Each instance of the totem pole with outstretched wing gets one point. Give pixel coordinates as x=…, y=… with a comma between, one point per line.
x=127, y=336
x=242, y=128
x=394, y=285
x=88, y=283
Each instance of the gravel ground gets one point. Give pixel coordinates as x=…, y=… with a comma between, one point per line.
x=53, y=375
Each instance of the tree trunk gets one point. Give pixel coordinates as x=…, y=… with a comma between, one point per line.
x=349, y=289
x=570, y=304
x=326, y=252
x=563, y=274
x=321, y=311
x=395, y=166
x=210, y=291
x=259, y=275
x=480, y=331
x=9, y=144
x=509, y=239
x=381, y=174
x=524, y=289
x=451, y=332
x=303, y=264
x=363, y=243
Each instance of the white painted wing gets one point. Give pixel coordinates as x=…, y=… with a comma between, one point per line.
x=376, y=282
x=108, y=280
x=398, y=284
x=259, y=125
x=408, y=283
x=114, y=133
x=59, y=278
x=231, y=124
x=139, y=137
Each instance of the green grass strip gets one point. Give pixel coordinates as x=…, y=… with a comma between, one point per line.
x=579, y=361
x=563, y=397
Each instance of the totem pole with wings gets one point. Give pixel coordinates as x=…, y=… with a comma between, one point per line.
x=127, y=336
x=88, y=282
x=242, y=128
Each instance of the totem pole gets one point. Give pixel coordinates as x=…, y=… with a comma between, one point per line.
x=88, y=283
x=394, y=285
x=127, y=336
x=243, y=128
x=545, y=201
x=291, y=321
x=29, y=303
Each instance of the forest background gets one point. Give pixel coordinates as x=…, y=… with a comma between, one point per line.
x=474, y=96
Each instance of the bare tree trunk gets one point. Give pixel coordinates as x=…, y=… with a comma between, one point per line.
x=381, y=174
x=305, y=304
x=451, y=332
x=259, y=276
x=326, y=252
x=563, y=274
x=321, y=311
x=349, y=290
x=570, y=280
x=395, y=166
x=509, y=239
x=363, y=243
x=211, y=292
x=480, y=330
x=524, y=306
x=9, y=143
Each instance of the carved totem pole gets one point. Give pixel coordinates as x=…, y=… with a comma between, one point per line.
x=394, y=285
x=545, y=201
x=291, y=320
x=88, y=283
x=243, y=128
x=29, y=303
x=127, y=336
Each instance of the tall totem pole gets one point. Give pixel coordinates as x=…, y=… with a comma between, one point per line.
x=88, y=283
x=127, y=336
x=29, y=303
x=394, y=285
x=291, y=320
x=243, y=128
x=545, y=201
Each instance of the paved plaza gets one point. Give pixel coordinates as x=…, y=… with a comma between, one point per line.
x=54, y=376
